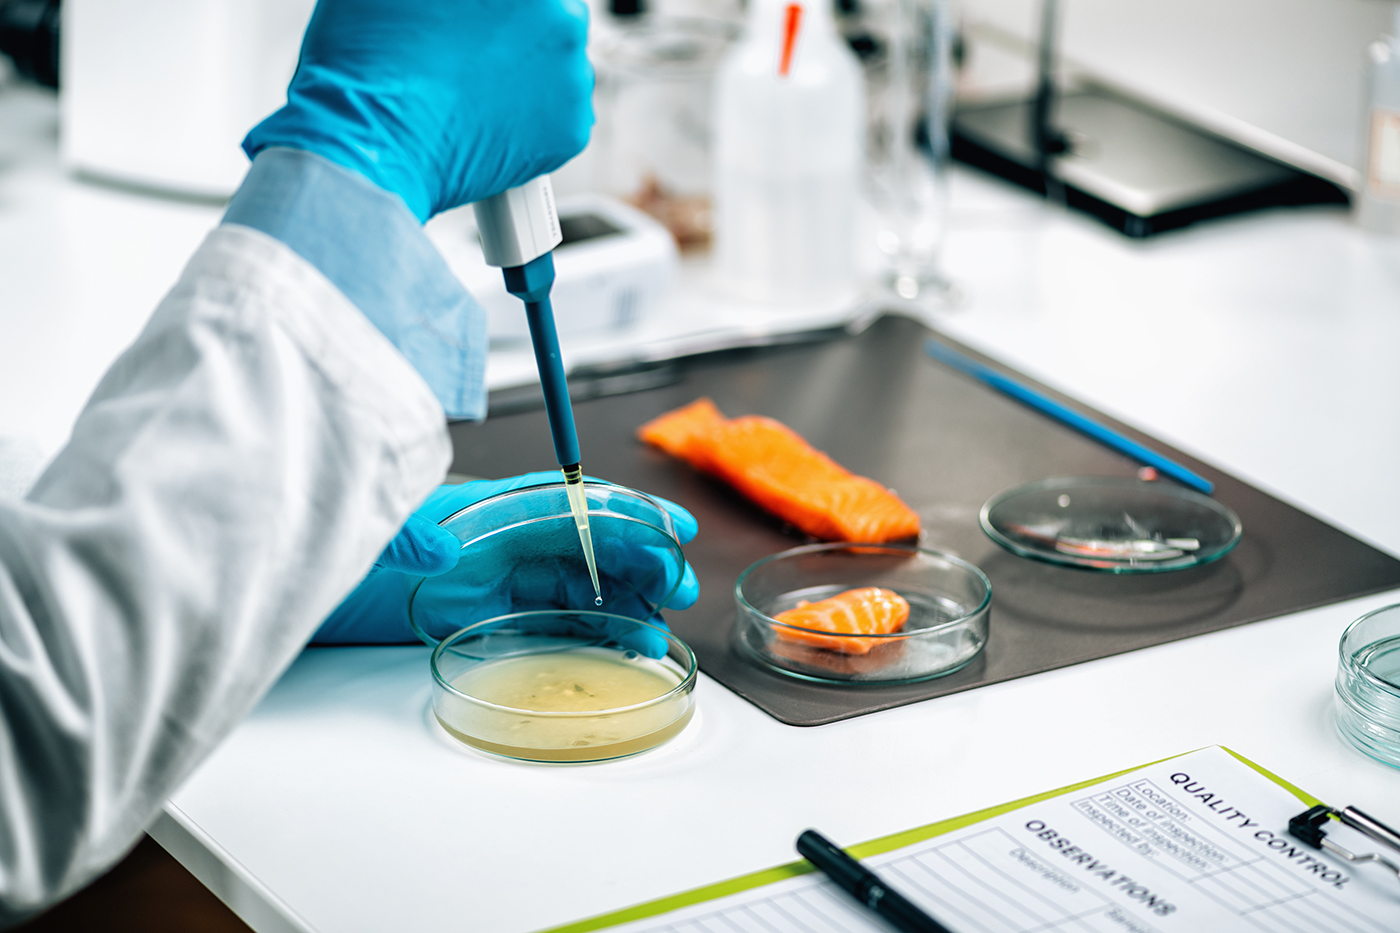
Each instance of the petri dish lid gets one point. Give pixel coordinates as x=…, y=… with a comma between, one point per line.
x=1111, y=524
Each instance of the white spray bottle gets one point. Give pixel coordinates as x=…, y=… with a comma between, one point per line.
x=789, y=141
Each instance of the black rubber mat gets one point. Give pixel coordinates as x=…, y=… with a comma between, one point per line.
x=946, y=443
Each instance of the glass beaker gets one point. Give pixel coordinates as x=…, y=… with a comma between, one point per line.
x=906, y=50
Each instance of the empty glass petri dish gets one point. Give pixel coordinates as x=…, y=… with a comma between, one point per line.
x=1111, y=524
x=521, y=552
x=560, y=685
x=1368, y=684
x=949, y=612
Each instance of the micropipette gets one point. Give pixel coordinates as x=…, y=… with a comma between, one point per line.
x=519, y=230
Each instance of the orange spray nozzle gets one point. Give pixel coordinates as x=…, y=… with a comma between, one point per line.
x=791, y=23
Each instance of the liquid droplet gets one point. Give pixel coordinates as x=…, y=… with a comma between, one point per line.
x=597, y=600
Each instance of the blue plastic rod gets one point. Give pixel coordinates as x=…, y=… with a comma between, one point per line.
x=1101, y=433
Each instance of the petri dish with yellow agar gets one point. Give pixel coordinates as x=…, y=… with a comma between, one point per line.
x=948, y=604
x=520, y=552
x=563, y=685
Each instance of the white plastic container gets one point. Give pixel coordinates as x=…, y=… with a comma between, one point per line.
x=789, y=127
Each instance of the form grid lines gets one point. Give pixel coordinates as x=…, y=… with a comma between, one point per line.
x=814, y=908
x=1035, y=922
x=1244, y=882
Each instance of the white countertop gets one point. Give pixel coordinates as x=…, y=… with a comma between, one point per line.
x=1264, y=344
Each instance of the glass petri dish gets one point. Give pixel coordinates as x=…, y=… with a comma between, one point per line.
x=1111, y=524
x=560, y=685
x=949, y=612
x=521, y=552
x=1368, y=684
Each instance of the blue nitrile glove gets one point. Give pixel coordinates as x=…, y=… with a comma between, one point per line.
x=376, y=612
x=442, y=103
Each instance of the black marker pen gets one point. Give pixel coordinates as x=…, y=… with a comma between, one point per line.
x=862, y=884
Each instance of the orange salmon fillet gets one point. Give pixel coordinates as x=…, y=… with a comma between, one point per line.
x=685, y=432
x=775, y=467
x=870, y=610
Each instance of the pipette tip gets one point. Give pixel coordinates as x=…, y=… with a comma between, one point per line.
x=578, y=504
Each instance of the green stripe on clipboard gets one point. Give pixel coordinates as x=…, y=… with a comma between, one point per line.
x=686, y=898
x=867, y=849
x=1293, y=789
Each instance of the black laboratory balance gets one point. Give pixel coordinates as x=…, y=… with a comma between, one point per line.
x=1137, y=169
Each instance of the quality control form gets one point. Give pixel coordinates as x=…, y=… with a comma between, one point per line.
x=1196, y=842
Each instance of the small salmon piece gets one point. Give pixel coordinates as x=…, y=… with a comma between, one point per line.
x=879, y=660
x=776, y=468
x=870, y=610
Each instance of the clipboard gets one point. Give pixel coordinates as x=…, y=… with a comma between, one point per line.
x=1151, y=849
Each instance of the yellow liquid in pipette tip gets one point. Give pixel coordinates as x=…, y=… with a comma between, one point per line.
x=578, y=504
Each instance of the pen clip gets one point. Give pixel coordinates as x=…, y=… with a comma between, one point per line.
x=1307, y=827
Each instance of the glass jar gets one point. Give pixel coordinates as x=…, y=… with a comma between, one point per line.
x=654, y=135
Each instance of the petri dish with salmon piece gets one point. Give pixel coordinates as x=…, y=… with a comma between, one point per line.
x=862, y=613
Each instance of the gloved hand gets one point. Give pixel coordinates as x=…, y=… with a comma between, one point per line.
x=442, y=103
x=376, y=612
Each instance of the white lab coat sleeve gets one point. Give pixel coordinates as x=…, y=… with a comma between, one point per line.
x=232, y=478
